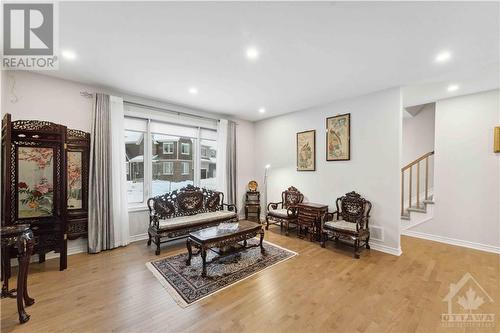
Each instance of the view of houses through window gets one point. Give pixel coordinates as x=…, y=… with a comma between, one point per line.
x=176, y=161
x=179, y=165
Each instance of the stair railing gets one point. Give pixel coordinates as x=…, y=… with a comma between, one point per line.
x=409, y=168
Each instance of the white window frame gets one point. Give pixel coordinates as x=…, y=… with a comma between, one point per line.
x=147, y=170
x=168, y=144
x=185, y=144
x=168, y=171
x=184, y=172
x=193, y=149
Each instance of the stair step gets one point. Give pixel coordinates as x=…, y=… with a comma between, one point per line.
x=428, y=202
x=417, y=209
x=405, y=217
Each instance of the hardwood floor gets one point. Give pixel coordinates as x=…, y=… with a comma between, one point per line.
x=322, y=290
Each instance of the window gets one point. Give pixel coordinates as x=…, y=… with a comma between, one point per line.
x=168, y=168
x=208, y=167
x=185, y=168
x=163, y=156
x=185, y=148
x=171, y=173
x=168, y=147
x=204, y=152
x=134, y=157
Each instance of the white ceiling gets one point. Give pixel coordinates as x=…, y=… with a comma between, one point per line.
x=311, y=53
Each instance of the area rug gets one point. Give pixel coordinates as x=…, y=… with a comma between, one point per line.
x=186, y=285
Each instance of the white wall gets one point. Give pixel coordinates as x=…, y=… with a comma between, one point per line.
x=418, y=134
x=467, y=172
x=374, y=168
x=418, y=139
x=28, y=95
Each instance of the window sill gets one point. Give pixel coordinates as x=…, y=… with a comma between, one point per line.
x=133, y=209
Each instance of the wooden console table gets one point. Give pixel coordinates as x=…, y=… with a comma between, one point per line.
x=309, y=219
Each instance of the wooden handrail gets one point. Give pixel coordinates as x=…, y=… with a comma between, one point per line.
x=417, y=160
x=410, y=181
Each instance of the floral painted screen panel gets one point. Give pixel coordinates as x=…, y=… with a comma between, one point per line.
x=75, y=200
x=35, y=182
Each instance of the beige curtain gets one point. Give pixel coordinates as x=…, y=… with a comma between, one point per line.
x=101, y=232
x=226, y=159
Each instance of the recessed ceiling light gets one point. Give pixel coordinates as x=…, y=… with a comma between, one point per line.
x=67, y=54
x=252, y=53
x=193, y=90
x=443, y=56
x=453, y=87
x=262, y=110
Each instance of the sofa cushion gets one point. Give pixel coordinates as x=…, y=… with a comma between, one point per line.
x=191, y=220
x=279, y=212
x=342, y=225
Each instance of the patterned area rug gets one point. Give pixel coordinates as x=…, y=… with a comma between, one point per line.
x=185, y=284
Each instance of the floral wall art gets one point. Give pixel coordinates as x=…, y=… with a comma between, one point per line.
x=338, y=136
x=35, y=182
x=75, y=180
x=306, y=151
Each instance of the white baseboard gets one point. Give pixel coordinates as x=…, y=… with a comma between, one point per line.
x=384, y=248
x=452, y=241
x=139, y=237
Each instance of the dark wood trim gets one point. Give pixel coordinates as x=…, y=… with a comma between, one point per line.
x=77, y=219
x=348, y=133
x=297, y=151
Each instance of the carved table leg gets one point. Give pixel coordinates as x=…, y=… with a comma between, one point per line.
x=29, y=249
x=190, y=252
x=204, y=259
x=261, y=243
x=356, y=249
x=157, y=242
x=21, y=280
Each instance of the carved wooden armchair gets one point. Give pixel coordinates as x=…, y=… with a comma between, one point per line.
x=285, y=211
x=349, y=222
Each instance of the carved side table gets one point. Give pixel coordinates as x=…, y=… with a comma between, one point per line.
x=19, y=237
x=252, y=206
x=309, y=219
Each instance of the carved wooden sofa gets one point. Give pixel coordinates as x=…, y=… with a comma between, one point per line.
x=349, y=222
x=284, y=212
x=175, y=214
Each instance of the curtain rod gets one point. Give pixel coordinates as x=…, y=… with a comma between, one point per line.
x=156, y=108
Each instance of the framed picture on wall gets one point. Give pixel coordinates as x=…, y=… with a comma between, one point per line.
x=306, y=151
x=338, y=138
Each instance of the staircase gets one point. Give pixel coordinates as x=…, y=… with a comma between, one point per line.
x=417, y=201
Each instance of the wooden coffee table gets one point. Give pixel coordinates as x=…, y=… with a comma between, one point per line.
x=216, y=238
